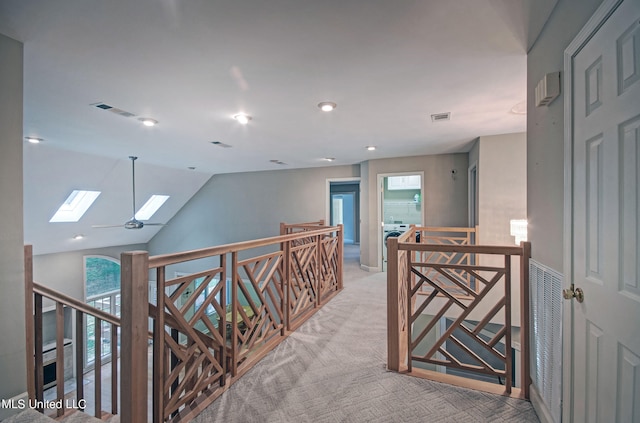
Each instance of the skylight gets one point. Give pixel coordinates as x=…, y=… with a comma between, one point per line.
x=151, y=206
x=76, y=204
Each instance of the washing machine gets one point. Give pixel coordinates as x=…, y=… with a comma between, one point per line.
x=391, y=230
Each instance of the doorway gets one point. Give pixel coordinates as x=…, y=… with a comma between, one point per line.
x=400, y=200
x=343, y=207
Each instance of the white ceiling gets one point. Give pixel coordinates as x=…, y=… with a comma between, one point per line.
x=193, y=64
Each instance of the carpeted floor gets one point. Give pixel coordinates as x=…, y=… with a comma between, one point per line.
x=333, y=370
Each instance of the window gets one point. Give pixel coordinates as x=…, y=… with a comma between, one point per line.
x=76, y=204
x=102, y=291
x=151, y=206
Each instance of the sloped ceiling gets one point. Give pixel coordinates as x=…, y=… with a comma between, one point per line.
x=193, y=64
x=51, y=174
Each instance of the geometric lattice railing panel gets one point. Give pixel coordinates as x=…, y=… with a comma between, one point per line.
x=302, y=280
x=446, y=237
x=257, y=298
x=449, y=318
x=212, y=326
x=329, y=266
x=464, y=344
x=190, y=347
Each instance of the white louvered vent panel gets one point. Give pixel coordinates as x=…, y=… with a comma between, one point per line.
x=546, y=347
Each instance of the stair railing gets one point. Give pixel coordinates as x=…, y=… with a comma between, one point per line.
x=485, y=307
x=213, y=325
x=34, y=299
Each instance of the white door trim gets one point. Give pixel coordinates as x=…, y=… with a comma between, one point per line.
x=379, y=223
x=591, y=27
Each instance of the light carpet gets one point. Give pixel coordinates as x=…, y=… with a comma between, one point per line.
x=333, y=369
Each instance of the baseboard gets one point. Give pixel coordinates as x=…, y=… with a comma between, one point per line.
x=369, y=269
x=539, y=406
x=13, y=405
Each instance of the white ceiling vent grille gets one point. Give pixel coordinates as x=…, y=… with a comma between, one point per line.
x=440, y=117
x=112, y=109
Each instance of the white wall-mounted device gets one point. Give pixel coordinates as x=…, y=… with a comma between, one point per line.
x=548, y=89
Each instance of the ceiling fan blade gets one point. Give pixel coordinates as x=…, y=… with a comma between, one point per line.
x=133, y=223
x=106, y=226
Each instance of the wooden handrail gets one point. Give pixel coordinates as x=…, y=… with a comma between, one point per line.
x=75, y=303
x=471, y=249
x=443, y=229
x=173, y=258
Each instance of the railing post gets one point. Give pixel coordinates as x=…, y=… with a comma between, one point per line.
x=340, y=254
x=525, y=375
x=29, y=321
x=135, y=328
x=318, y=271
x=159, y=359
x=393, y=306
x=286, y=276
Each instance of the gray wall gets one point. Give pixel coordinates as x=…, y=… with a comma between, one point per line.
x=503, y=186
x=444, y=202
x=12, y=351
x=502, y=197
x=243, y=206
x=545, y=132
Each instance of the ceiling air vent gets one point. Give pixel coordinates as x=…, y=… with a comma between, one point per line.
x=440, y=117
x=112, y=109
x=220, y=144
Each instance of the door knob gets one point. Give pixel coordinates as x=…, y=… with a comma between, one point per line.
x=576, y=293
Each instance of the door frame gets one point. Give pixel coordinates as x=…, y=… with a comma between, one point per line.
x=594, y=23
x=327, y=197
x=379, y=223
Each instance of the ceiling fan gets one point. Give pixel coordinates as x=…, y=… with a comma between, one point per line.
x=133, y=223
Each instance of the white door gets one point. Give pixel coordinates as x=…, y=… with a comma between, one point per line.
x=605, y=251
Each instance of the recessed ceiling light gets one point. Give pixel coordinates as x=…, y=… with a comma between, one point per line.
x=148, y=121
x=242, y=118
x=78, y=236
x=327, y=106
x=33, y=140
x=329, y=159
x=371, y=147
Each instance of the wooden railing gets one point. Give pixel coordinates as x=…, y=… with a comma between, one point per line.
x=477, y=323
x=209, y=327
x=35, y=293
x=446, y=236
x=212, y=326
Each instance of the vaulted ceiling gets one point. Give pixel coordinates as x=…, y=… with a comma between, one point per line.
x=193, y=64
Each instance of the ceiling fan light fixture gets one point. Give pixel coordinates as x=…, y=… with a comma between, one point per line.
x=242, y=118
x=327, y=106
x=148, y=122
